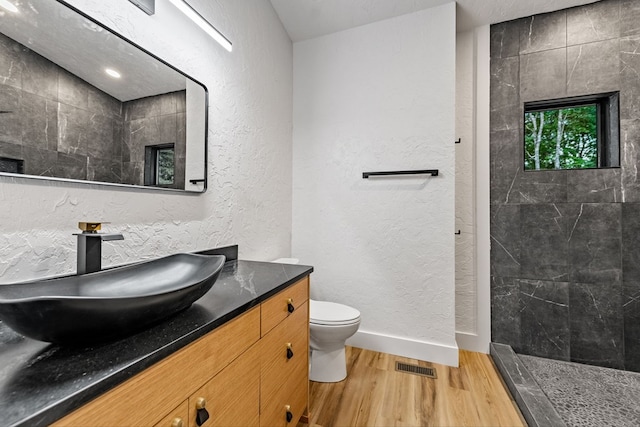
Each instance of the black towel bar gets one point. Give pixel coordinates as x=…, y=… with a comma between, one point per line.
x=432, y=172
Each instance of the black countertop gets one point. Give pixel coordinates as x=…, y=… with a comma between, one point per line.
x=40, y=382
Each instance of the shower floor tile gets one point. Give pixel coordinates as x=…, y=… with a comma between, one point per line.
x=587, y=395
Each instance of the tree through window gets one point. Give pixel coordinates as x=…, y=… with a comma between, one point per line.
x=572, y=133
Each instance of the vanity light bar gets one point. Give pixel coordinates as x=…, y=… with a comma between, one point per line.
x=7, y=5
x=202, y=23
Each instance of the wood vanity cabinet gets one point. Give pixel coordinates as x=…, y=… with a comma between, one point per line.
x=252, y=371
x=179, y=417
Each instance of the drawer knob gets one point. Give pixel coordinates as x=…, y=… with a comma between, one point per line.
x=202, y=415
x=289, y=414
x=289, y=351
x=290, y=306
x=177, y=422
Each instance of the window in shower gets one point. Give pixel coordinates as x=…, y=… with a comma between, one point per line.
x=11, y=165
x=572, y=133
x=159, y=170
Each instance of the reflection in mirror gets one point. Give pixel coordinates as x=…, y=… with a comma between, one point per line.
x=78, y=102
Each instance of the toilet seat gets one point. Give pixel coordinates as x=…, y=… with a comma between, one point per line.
x=332, y=314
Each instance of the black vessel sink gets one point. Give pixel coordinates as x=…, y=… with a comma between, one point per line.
x=109, y=304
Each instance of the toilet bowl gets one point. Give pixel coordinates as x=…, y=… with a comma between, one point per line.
x=330, y=325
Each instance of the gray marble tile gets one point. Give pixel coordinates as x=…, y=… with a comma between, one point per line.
x=505, y=75
x=543, y=32
x=11, y=122
x=593, y=22
x=118, y=139
x=593, y=68
x=128, y=128
x=506, y=117
x=103, y=104
x=631, y=242
x=72, y=166
x=168, y=103
x=533, y=403
x=11, y=62
x=629, y=72
x=11, y=151
x=72, y=90
x=150, y=131
x=133, y=173
x=588, y=396
x=40, y=161
x=181, y=135
x=505, y=311
x=505, y=39
x=544, y=318
x=40, y=76
x=505, y=240
x=629, y=17
x=505, y=165
x=594, y=186
x=631, y=311
x=104, y=170
x=544, y=250
x=543, y=75
x=39, y=122
x=73, y=132
x=630, y=158
x=100, y=134
x=142, y=108
x=595, y=242
x=542, y=186
x=179, y=173
x=597, y=324
x=181, y=101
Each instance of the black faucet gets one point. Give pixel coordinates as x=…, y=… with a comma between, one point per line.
x=90, y=246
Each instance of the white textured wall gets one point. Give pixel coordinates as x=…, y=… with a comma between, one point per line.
x=249, y=197
x=473, y=315
x=380, y=97
x=465, y=195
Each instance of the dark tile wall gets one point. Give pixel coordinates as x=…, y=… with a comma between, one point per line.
x=62, y=126
x=58, y=124
x=565, y=245
x=152, y=121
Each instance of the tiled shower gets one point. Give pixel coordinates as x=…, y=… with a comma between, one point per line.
x=565, y=244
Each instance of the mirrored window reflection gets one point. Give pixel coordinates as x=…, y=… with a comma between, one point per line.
x=159, y=170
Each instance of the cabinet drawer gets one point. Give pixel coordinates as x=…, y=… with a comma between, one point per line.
x=233, y=396
x=275, y=309
x=279, y=374
x=295, y=399
x=177, y=416
x=143, y=399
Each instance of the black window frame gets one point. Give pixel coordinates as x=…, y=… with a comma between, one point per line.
x=607, y=125
x=18, y=163
x=151, y=162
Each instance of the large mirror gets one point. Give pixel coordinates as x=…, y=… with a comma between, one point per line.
x=78, y=102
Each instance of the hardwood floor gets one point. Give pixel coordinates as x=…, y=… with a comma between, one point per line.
x=374, y=394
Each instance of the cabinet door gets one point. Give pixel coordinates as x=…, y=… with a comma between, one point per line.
x=179, y=417
x=231, y=398
x=284, y=384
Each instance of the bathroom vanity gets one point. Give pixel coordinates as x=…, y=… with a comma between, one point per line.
x=238, y=356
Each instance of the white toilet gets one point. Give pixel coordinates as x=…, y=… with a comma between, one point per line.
x=330, y=325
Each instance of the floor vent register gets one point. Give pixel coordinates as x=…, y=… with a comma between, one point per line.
x=416, y=370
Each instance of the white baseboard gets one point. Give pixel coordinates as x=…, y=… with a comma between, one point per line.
x=472, y=342
x=405, y=347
